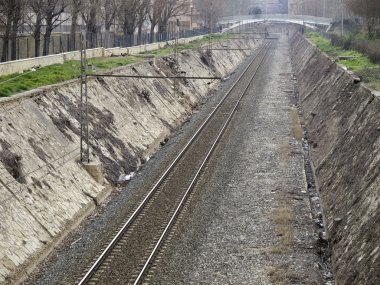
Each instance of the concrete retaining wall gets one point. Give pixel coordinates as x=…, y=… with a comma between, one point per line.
x=26, y=64
x=44, y=191
x=343, y=121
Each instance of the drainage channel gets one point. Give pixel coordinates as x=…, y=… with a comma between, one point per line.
x=323, y=246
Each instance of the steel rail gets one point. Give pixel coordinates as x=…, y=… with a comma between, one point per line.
x=189, y=189
x=152, y=76
x=134, y=215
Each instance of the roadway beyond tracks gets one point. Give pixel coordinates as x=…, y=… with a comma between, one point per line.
x=245, y=214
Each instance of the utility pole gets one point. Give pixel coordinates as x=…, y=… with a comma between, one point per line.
x=341, y=7
x=84, y=134
x=266, y=10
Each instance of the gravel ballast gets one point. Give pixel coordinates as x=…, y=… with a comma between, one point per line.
x=248, y=221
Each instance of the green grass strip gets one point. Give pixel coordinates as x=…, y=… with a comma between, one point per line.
x=354, y=61
x=57, y=73
x=215, y=38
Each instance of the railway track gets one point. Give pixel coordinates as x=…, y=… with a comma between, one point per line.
x=128, y=256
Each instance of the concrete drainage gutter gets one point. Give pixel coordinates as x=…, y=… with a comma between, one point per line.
x=44, y=191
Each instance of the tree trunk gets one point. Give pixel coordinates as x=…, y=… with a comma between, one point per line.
x=128, y=33
x=37, y=35
x=4, y=55
x=139, y=34
x=91, y=35
x=152, y=27
x=371, y=27
x=91, y=28
x=49, y=29
x=15, y=22
x=73, y=29
x=162, y=30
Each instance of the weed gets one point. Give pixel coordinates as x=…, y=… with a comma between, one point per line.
x=284, y=151
x=284, y=275
x=296, y=125
x=284, y=218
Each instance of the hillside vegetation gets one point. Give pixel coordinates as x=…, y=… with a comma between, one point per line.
x=355, y=61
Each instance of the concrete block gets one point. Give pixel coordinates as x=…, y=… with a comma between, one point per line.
x=95, y=169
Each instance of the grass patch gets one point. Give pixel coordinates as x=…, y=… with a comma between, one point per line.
x=296, y=125
x=53, y=74
x=285, y=151
x=284, y=275
x=323, y=44
x=359, y=63
x=109, y=63
x=283, y=217
x=191, y=45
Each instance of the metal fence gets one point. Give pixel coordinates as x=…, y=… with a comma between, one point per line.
x=61, y=42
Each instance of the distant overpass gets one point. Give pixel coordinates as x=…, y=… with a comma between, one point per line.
x=309, y=21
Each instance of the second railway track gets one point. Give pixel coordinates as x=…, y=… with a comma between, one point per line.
x=127, y=257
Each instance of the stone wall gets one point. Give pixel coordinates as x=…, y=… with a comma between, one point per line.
x=44, y=190
x=343, y=123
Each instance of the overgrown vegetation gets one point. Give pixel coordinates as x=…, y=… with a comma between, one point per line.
x=296, y=125
x=284, y=275
x=57, y=73
x=358, y=41
x=191, y=45
x=355, y=61
x=369, y=11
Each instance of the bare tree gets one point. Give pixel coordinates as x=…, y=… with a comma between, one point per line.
x=109, y=11
x=16, y=23
x=76, y=8
x=370, y=11
x=163, y=10
x=35, y=23
x=170, y=9
x=11, y=12
x=142, y=15
x=128, y=18
x=89, y=15
x=53, y=11
x=211, y=10
x=7, y=11
x=156, y=8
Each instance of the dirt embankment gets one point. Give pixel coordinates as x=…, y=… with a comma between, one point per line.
x=343, y=122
